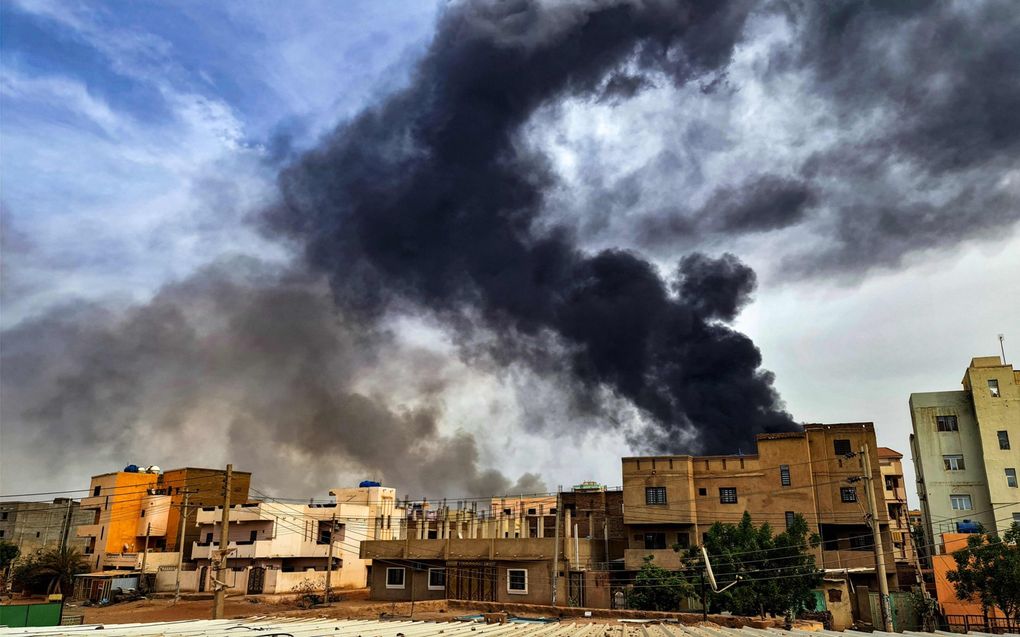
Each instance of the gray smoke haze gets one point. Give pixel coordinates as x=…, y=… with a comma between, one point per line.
x=837, y=137
x=244, y=357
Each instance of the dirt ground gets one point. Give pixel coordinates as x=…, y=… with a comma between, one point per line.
x=352, y=605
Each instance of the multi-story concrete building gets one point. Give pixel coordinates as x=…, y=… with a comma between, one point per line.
x=672, y=500
x=138, y=508
x=891, y=464
x=508, y=553
x=37, y=525
x=966, y=451
x=276, y=547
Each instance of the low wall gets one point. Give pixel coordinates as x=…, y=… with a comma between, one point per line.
x=729, y=621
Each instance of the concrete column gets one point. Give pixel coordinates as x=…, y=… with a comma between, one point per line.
x=541, y=523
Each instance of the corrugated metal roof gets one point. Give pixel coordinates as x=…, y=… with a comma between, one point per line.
x=302, y=627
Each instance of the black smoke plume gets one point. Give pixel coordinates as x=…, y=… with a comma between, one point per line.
x=428, y=200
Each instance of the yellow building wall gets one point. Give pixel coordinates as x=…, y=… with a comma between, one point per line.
x=945, y=591
x=125, y=509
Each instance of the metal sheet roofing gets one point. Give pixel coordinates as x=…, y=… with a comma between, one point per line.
x=302, y=627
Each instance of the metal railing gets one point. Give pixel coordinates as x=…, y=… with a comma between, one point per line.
x=980, y=623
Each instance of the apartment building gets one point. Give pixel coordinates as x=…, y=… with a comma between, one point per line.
x=33, y=526
x=966, y=451
x=277, y=547
x=515, y=552
x=890, y=463
x=672, y=500
x=140, y=508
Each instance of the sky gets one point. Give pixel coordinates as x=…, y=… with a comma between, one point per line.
x=174, y=290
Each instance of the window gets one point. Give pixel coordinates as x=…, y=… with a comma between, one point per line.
x=953, y=462
x=784, y=475
x=728, y=495
x=790, y=516
x=841, y=447
x=993, y=387
x=95, y=492
x=395, y=577
x=508, y=511
x=683, y=540
x=1003, y=439
x=437, y=579
x=655, y=495
x=252, y=536
x=655, y=541
x=208, y=538
x=862, y=542
x=961, y=502
x=530, y=512
x=2, y=532
x=143, y=513
x=517, y=581
x=893, y=513
x=702, y=491
x=1016, y=517
x=848, y=494
x=3, y=516
x=1011, y=478
x=947, y=423
x=38, y=533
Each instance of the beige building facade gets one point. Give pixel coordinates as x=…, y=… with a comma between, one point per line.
x=673, y=500
x=966, y=451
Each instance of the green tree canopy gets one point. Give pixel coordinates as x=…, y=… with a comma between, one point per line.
x=657, y=588
x=988, y=569
x=777, y=572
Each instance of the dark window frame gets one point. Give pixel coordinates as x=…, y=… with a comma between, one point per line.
x=655, y=496
x=839, y=444
x=725, y=493
x=1003, y=437
x=784, y=475
x=848, y=494
x=948, y=422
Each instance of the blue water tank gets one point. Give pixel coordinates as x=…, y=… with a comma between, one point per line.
x=369, y=483
x=967, y=526
x=131, y=468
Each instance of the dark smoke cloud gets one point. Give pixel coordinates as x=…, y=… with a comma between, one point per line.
x=239, y=362
x=427, y=199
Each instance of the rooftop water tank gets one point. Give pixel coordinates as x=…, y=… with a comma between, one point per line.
x=131, y=468
x=967, y=526
x=369, y=483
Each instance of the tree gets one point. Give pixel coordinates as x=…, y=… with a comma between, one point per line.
x=50, y=570
x=8, y=553
x=988, y=569
x=777, y=572
x=657, y=588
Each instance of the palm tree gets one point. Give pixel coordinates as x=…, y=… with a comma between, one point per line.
x=60, y=565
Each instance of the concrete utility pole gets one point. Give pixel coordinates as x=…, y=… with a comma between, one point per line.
x=145, y=554
x=218, y=583
x=65, y=530
x=180, y=547
x=329, y=561
x=876, y=533
x=556, y=548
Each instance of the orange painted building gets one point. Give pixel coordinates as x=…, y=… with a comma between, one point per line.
x=133, y=509
x=945, y=590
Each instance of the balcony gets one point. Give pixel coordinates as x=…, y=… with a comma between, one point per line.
x=252, y=512
x=88, y=530
x=634, y=559
x=122, y=560
x=261, y=549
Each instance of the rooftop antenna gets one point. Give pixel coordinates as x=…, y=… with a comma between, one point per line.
x=1002, y=348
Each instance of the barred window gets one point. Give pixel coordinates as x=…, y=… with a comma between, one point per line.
x=728, y=495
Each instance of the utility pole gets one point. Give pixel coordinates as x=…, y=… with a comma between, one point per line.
x=329, y=561
x=145, y=554
x=218, y=583
x=556, y=548
x=180, y=547
x=66, y=529
x=876, y=533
